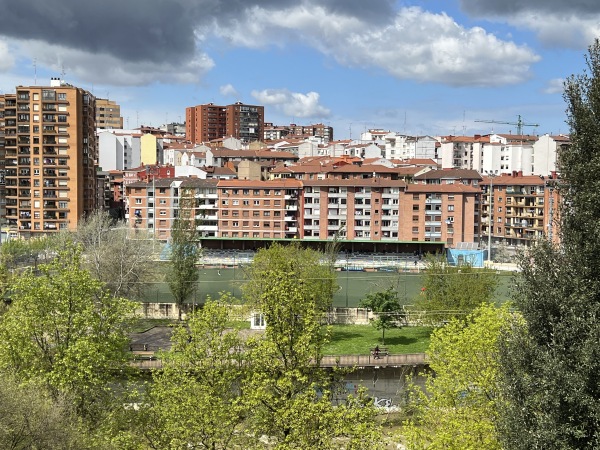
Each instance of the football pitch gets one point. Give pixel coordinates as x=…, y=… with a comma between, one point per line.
x=352, y=286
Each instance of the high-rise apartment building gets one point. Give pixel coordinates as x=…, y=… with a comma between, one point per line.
x=108, y=114
x=205, y=123
x=49, y=157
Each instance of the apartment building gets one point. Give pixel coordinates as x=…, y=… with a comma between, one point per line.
x=357, y=209
x=440, y=213
x=151, y=207
x=108, y=114
x=119, y=150
x=505, y=153
x=50, y=154
x=259, y=209
x=521, y=209
x=205, y=123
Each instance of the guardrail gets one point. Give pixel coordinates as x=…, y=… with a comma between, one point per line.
x=409, y=359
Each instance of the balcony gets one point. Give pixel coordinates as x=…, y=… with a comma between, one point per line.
x=207, y=228
x=205, y=195
x=206, y=217
x=291, y=207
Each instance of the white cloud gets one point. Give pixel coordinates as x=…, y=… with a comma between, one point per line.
x=417, y=44
x=7, y=60
x=107, y=69
x=292, y=104
x=565, y=30
x=228, y=90
x=555, y=86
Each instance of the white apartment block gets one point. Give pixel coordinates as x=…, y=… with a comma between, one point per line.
x=401, y=146
x=501, y=153
x=119, y=149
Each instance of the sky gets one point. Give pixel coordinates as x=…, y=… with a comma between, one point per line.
x=430, y=67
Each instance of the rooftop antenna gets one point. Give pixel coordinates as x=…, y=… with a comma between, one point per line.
x=34, y=71
x=404, y=131
x=464, y=124
x=62, y=72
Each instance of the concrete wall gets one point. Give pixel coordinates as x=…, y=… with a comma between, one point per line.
x=354, y=316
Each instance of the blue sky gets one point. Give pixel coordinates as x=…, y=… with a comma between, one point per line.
x=419, y=67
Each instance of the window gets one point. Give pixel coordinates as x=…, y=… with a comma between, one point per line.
x=266, y=225
x=450, y=207
x=415, y=196
x=267, y=202
x=256, y=192
x=255, y=224
x=267, y=213
x=245, y=224
x=415, y=207
x=235, y=202
x=235, y=224
x=245, y=202
x=138, y=201
x=256, y=202
x=225, y=202
x=224, y=213
x=415, y=230
x=61, y=96
x=163, y=212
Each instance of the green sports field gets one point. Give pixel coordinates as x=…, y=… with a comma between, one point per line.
x=352, y=285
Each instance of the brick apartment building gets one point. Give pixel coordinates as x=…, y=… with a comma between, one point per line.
x=375, y=209
x=49, y=157
x=523, y=208
x=208, y=122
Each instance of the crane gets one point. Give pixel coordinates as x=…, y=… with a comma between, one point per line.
x=519, y=123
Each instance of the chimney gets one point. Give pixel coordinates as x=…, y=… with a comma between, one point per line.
x=55, y=82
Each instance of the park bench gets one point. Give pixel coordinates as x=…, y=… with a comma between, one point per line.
x=383, y=351
x=140, y=355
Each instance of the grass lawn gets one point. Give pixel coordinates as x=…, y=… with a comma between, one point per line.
x=358, y=339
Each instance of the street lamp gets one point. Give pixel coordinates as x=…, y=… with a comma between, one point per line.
x=491, y=174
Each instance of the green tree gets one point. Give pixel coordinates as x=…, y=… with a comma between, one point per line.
x=293, y=399
x=196, y=400
x=551, y=364
x=460, y=409
x=32, y=420
x=183, y=274
x=453, y=291
x=64, y=332
x=123, y=264
x=387, y=307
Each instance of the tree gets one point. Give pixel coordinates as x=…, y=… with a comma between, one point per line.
x=183, y=274
x=454, y=291
x=387, y=307
x=31, y=420
x=196, y=401
x=551, y=363
x=460, y=409
x=292, y=399
x=64, y=332
x=123, y=264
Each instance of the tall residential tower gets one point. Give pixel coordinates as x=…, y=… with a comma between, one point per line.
x=49, y=157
